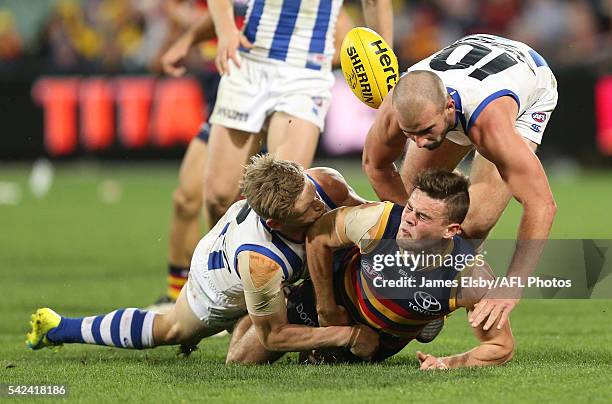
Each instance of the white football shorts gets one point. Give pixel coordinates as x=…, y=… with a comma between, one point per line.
x=214, y=297
x=251, y=93
x=532, y=123
x=211, y=306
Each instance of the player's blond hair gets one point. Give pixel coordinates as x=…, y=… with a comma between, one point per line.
x=272, y=186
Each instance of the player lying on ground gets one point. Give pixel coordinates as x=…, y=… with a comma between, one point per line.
x=484, y=92
x=259, y=238
x=352, y=292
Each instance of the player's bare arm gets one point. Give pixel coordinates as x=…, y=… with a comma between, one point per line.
x=496, y=343
x=202, y=30
x=335, y=186
x=342, y=227
x=344, y=24
x=323, y=236
x=384, y=144
x=262, y=280
x=497, y=140
x=230, y=37
x=378, y=15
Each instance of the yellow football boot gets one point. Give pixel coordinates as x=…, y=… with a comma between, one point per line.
x=42, y=321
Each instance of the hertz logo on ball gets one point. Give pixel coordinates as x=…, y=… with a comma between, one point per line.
x=369, y=65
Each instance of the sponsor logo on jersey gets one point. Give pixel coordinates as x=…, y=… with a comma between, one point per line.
x=426, y=302
x=539, y=117
x=304, y=316
x=536, y=128
x=368, y=269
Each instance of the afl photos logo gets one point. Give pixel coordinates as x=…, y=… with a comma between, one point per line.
x=426, y=301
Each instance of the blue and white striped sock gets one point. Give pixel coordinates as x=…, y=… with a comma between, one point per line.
x=125, y=328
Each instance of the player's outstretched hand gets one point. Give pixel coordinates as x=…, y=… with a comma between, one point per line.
x=364, y=342
x=430, y=362
x=337, y=316
x=491, y=310
x=228, y=49
x=172, y=60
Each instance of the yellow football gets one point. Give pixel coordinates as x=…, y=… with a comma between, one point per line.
x=369, y=65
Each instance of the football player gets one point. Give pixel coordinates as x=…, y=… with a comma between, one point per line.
x=188, y=198
x=243, y=262
x=400, y=297
x=486, y=93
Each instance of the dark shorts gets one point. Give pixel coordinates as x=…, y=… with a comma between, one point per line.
x=204, y=135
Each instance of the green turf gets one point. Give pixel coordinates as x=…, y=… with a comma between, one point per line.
x=72, y=252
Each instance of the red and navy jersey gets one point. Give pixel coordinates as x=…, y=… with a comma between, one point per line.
x=399, y=311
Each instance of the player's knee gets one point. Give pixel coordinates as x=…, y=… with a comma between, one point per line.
x=478, y=228
x=175, y=335
x=551, y=207
x=187, y=203
x=218, y=203
x=167, y=330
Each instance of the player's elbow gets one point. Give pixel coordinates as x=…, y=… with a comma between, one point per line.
x=370, y=165
x=366, y=164
x=544, y=208
x=548, y=210
x=552, y=208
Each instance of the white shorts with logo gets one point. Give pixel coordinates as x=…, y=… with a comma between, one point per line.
x=251, y=93
x=532, y=123
x=215, y=298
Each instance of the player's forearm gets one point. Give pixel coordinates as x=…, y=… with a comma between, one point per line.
x=291, y=338
x=222, y=13
x=483, y=355
x=533, y=231
x=320, y=267
x=378, y=15
x=202, y=30
x=387, y=182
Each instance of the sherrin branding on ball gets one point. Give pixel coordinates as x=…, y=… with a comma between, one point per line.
x=369, y=65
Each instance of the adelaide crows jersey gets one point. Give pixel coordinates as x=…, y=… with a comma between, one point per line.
x=400, y=311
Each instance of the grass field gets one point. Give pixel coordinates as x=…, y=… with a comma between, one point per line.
x=79, y=255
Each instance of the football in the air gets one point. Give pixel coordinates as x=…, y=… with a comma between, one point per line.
x=369, y=65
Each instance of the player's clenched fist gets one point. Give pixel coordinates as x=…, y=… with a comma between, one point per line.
x=363, y=342
x=335, y=316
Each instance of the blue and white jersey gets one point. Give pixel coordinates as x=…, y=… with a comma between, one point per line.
x=298, y=32
x=478, y=69
x=241, y=229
